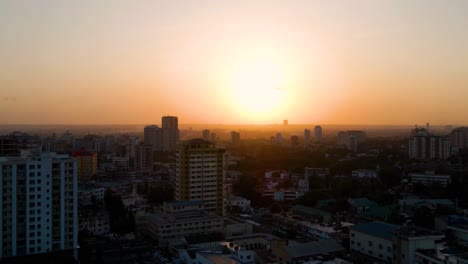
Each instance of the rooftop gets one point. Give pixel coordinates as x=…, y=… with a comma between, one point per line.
x=377, y=229
x=314, y=248
x=219, y=258
x=181, y=217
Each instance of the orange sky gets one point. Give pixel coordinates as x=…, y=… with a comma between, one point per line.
x=328, y=62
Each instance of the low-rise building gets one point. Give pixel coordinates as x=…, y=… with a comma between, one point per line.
x=370, y=174
x=94, y=222
x=301, y=252
x=391, y=243
x=456, y=224
x=165, y=226
x=429, y=178
x=241, y=202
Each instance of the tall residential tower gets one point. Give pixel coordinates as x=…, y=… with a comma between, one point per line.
x=38, y=205
x=201, y=175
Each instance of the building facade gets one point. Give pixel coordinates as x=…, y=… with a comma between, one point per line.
x=170, y=133
x=427, y=146
x=235, y=138
x=318, y=134
x=152, y=136
x=38, y=204
x=87, y=164
x=201, y=174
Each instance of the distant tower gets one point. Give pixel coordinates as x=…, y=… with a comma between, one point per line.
x=206, y=134
x=152, y=136
x=285, y=122
x=307, y=137
x=213, y=137
x=235, y=138
x=170, y=133
x=318, y=134
x=279, y=138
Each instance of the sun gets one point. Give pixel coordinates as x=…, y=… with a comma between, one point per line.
x=258, y=87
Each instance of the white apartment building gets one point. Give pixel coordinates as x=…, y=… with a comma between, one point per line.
x=38, y=204
x=391, y=243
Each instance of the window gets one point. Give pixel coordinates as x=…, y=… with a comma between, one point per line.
x=370, y=243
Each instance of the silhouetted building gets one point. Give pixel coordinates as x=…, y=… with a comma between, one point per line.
x=285, y=122
x=427, y=146
x=170, y=133
x=351, y=139
x=9, y=146
x=152, y=136
x=459, y=138
x=143, y=159
x=235, y=138
x=213, y=137
x=294, y=140
x=306, y=137
x=206, y=134
x=38, y=205
x=201, y=175
x=318, y=134
x=279, y=138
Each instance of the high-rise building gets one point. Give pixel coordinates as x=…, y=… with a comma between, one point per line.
x=143, y=159
x=38, y=205
x=235, y=138
x=9, y=146
x=206, y=134
x=87, y=164
x=318, y=134
x=279, y=138
x=201, y=174
x=213, y=137
x=170, y=133
x=351, y=139
x=459, y=138
x=285, y=122
x=307, y=137
x=427, y=146
x=152, y=136
x=294, y=140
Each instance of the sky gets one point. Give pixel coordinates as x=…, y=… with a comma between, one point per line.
x=392, y=62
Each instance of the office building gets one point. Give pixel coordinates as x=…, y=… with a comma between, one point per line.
x=201, y=175
x=318, y=134
x=206, y=134
x=235, y=138
x=306, y=137
x=152, y=136
x=170, y=133
x=427, y=146
x=87, y=164
x=38, y=205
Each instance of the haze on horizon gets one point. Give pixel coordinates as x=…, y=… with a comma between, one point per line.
x=234, y=62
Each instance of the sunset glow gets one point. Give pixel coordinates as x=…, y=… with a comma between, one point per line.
x=328, y=62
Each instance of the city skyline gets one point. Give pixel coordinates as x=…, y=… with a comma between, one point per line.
x=315, y=62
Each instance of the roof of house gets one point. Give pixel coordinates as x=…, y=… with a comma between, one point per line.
x=377, y=229
x=314, y=248
x=362, y=202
